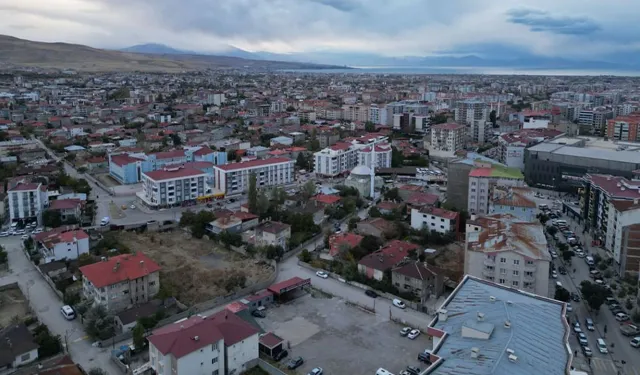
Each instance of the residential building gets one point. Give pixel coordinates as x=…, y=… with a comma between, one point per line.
x=68, y=208
x=381, y=155
x=27, y=201
x=630, y=250
x=498, y=330
x=468, y=111
x=172, y=186
x=236, y=222
x=512, y=144
x=419, y=278
x=62, y=244
x=515, y=201
x=374, y=265
x=356, y=112
x=435, y=219
x=448, y=137
x=234, y=178
x=595, y=120
x=555, y=165
x=503, y=249
x=18, y=347
x=273, y=233
x=127, y=169
x=484, y=178
x=335, y=160
x=480, y=131
x=339, y=242
x=122, y=281
x=219, y=344
x=624, y=128
x=377, y=227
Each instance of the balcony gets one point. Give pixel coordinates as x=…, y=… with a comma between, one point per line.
x=530, y=268
x=489, y=263
x=529, y=279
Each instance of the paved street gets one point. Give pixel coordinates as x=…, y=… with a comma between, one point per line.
x=46, y=305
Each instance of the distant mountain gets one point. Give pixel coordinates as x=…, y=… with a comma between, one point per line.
x=154, y=48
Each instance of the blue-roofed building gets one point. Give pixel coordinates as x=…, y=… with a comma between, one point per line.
x=74, y=148
x=485, y=328
x=458, y=178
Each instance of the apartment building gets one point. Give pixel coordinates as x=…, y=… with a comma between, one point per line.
x=173, y=186
x=377, y=115
x=381, y=156
x=515, y=201
x=468, y=111
x=27, y=201
x=483, y=178
x=480, y=131
x=355, y=112
x=120, y=282
x=595, y=119
x=272, y=233
x=630, y=250
x=219, y=344
x=505, y=250
x=624, y=128
x=343, y=156
x=435, y=219
x=234, y=178
x=448, y=137
x=68, y=208
x=512, y=145
x=62, y=244
x=621, y=235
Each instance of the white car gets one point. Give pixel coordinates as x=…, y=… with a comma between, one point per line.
x=4, y=234
x=38, y=230
x=554, y=274
x=582, y=339
x=569, y=307
x=24, y=237
x=316, y=371
x=413, y=334
x=399, y=304
x=576, y=328
x=322, y=274
x=622, y=317
x=405, y=331
x=133, y=207
x=20, y=231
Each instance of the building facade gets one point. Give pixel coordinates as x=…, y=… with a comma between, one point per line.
x=483, y=179
x=173, y=186
x=448, y=137
x=435, y=219
x=27, y=201
x=234, y=178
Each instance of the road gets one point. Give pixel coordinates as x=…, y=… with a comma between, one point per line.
x=46, y=305
x=604, y=364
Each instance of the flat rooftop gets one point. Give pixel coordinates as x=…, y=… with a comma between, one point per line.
x=538, y=333
x=589, y=152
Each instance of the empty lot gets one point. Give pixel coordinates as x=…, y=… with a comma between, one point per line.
x=340, y=338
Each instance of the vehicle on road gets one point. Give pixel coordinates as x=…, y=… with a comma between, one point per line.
x=294, y=363
x=105, y=220
x=4, y=234
x=413, y=334
x=258, y=314
x=576, y=328
x=405, y=331
x=316, y=371
x=569, y=307
x=629, y=329
x=322, y=274
x=20, y=231
x=24, y=237
x=371, y=293
x=622, y=317
x=554, y=274
x=133, y=207
x=413, y=370
x=602, y=347
x=587, y=351
x=635, y=342
x=582, y=339
x=611, y=301
x=38, y=230
x=589, y=323
x=67, y=312
x=399, y=304
x=575, y=297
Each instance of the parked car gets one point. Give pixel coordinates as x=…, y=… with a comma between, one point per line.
x=371, y=293
x=316, y=371
x=554, y=274
x=24, y=237
x=587, y=351
x=294, y=363
x=413, y=334
x=576, y=328
x=424, y=357
x=589, y=324
x=258, y=314
x=322, y=274
x=405, y=331
x=575, y=297
x=4, y=234
x=582, y=339
x=413, y=370
x=635, y=342
x=399, y=304
x=281, y=354
x=622, y=317
x=569, y=307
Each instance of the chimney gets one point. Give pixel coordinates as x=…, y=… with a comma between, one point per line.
x=196, y=338
x=443, y=315
x=142, y=263
x=475, y=352
x=480, y=317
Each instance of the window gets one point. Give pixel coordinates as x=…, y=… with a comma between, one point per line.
x=503, y=271
x=215, y=372
x=214, y=360
x=516, y=261
x=25, y=357
x=516, y=273
x=501, y=281
x=503, y=260
x=515, y=283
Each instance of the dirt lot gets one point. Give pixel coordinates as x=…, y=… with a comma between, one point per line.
x=106, y=179
x=195, y=270
x=12, y=303
x=342, y=339
x=449, y=258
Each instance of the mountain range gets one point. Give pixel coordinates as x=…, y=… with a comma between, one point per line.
x=498, y=58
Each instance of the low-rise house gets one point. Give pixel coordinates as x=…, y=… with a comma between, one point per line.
x=419, y=200
x=126, y=320
x=17, y=347
x=435, y=219
x=236, y=222
x=68, y=208
x=273, y=233
x=418, y=278
x=122, y=281
x=219, y=344
x=387, y=207
x=374, y=265
x=342, y=241
x=62, y=243
x=97, y=162
x=377, y=227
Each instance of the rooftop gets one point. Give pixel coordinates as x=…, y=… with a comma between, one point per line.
x=390, y=255
x=118, y=269
x=252, y=164
x=439, y=212
x=169, y=154
x=537, y=332
x=170, y=173
x=25, y=187
x=497, y=171
x=448, y=126
x=615, y=186
x=588, y=153
x=123, y=159
x=273, y=227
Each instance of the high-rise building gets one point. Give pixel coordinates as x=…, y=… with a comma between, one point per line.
x=27, y=201
x=448, y=137
x=624, y=128
x=468, y=111
x=234, y=178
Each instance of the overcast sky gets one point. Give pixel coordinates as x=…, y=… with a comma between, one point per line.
x=577, y=28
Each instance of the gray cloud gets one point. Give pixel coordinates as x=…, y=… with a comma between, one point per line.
x=341, y=5
x=543, y=21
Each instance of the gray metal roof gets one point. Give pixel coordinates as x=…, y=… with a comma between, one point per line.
x=538, y=334
x=589, y=153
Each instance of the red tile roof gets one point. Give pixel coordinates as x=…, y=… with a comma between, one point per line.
x=290, y=283
x=65, y=204
x=480, y=172
x=54, y=237
x=337, y=240
x=179, y=338
x=440, y=212
x=340, y=146
x=252, y=164
x=123, y=159
x=169, y=154
x=449, y=126
x=119, y=268
x=171, y=173
x=203, y=151
x=198, y=164
x=387, y=257
x=270, y=340
x=421, y=199
x=327, y=199
x=24, y=187
x=615, y=186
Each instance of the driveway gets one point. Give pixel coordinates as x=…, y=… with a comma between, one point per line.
x=46, y=305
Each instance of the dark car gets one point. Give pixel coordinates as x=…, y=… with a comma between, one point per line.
x=424, y=357
x=209, y=205
x=413, y=370
x=371, y=293
x=280, y=355
x=258, y=314
x=294, y=363
x=232, y=200
x=575, y=297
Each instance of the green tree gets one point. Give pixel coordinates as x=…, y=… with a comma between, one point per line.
x=562, y=294
x=305, y=256
x=374, y=212
x=543, y=218
x=51, y=219
x=263, y=205
x=253, y=194
x=392, y=195
x=308, y=190
x=3, y=256
x=177, y=141
x=594, y=294
x=138, y=335
x=493, y=118
x=397, y=158
x=552, y=231
x=314, y=144
x=440, y=118
x=369, y=127
x=567, y=255
x=4, y=136
x=353, y=223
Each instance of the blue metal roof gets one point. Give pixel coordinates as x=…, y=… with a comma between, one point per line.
x=537, y=332
x=74, y=148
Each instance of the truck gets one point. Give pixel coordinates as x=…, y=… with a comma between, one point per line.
x=629, y=330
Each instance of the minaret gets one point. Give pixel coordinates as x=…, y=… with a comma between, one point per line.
x=373, y=169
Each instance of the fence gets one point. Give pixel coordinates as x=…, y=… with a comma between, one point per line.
x=268, y=367
x=202, y=307
x=89, y=177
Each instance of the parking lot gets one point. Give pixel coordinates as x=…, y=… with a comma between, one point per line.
x=342, y=339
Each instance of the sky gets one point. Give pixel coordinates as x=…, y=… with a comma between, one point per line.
x=583, y=29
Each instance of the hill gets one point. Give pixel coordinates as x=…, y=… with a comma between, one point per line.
x=26, y=53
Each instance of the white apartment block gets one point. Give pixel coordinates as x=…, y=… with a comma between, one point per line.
x=483, y=179
x=378, y=115
x=468, y=111
x=381, y=156
x=172, y=186
x=343, y=156
x=120, y=282
x=58, y=245
x=504, y=250
x=622, y=213
x=448, y=137
x=434, y=219
x=234, y=178
x=27, y=201
x=355, y=112
x=480, y=131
